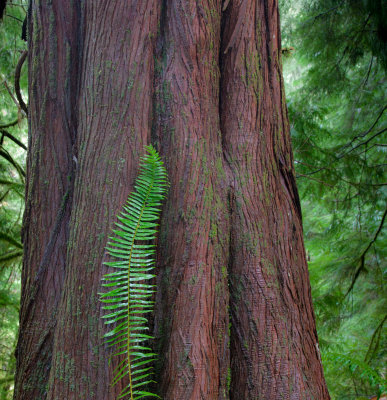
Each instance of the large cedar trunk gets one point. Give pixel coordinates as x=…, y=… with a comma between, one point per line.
x=202, y=81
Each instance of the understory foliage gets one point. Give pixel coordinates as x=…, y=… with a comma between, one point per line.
x=336, y=93
x=131, y=297
x=12, y=176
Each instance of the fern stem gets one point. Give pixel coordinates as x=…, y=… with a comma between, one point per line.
x=130, y=259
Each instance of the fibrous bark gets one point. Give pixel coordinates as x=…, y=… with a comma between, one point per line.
x=202, y=81
x=192, y=317
x=274, y=343
x=53, y=66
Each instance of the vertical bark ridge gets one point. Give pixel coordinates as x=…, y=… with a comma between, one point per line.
x=274, y=346
x=115, y=108
x=191, y=320
x=53, y=81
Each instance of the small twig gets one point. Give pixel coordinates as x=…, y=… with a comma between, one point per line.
x=376, y=335
x=315, y=171
x=9, y=124
x=361, y=183
x=13, y=98
x=17, y=81
x=321, y=14
x=9, y=239
x=311, y=166
x=365, y=142
x=15, y=140
x=307, y=175
x=4, y=195
x=361, y=135
x=314, y=179
x=16, y=4
x=11, y=16
x=7, y=379
x=4, y=153
x=368, y=72
x=362, y=257
x=354, y=41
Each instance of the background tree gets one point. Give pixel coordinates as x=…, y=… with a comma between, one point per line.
x=203, y=82
x=12, y=156
x=336, y=89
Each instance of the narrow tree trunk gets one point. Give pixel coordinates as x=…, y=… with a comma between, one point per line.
x=274, y=345
x=202, y=81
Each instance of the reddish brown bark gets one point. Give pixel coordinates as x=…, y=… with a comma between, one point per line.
x=274, y=343
x=53, y=84
x=205, y=86
x=114, y=125
x=107, y=127
x=192, y=317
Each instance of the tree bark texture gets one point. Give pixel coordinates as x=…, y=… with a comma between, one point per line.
x=202, y=81
x=274, y=343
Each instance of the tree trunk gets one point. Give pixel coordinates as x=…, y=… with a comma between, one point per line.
x=202, y=81
x=274, y=343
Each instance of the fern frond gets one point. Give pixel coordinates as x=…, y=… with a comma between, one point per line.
x=129, y=300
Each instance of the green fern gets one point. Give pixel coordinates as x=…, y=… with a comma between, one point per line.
x=130, y=299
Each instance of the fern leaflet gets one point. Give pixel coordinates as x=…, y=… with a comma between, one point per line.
x=129, y=300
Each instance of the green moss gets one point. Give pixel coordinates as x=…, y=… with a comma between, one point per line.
x=214, y=230
x=208, y=196
x=219, y=288
x=219, y=168
x=250, y=242
x=228, y=382
x=65, y=368
x=193, y=280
